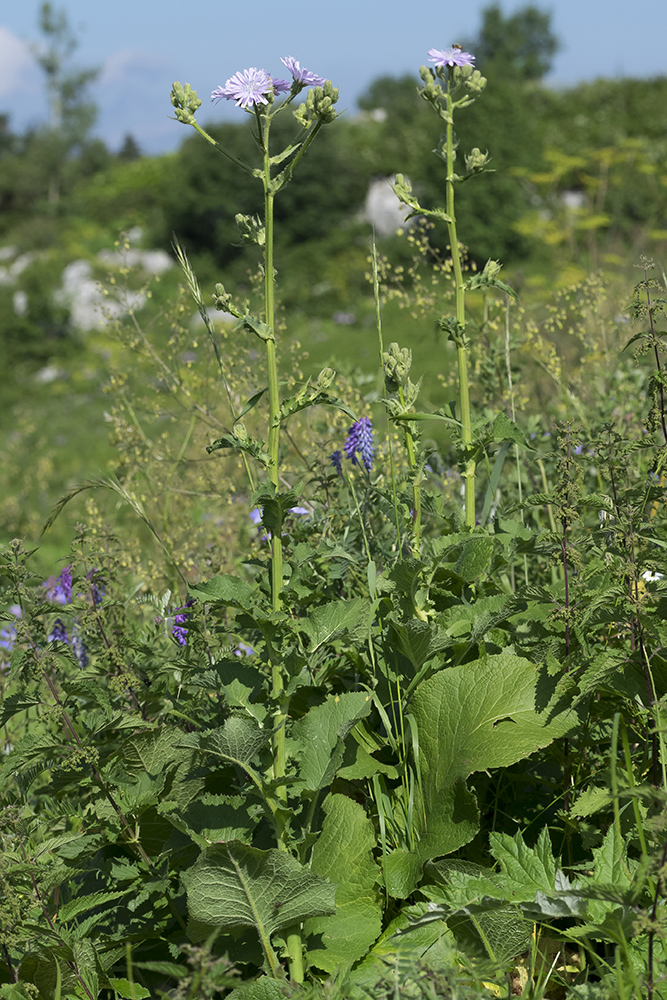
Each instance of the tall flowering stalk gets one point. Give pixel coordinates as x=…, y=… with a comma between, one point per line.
x=453, y=84
x=256, y=92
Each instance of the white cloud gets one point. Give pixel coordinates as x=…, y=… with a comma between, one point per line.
x=16, y=62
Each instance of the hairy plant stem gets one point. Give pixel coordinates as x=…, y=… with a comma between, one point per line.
x=293, y=934
x=461, y=346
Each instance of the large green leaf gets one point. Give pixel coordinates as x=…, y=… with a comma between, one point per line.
x=526, y=870
x=342, y=853
x=233, y=885
x=331, y=620
x=481, y=715
x=318, y=738
x=448, y=819
x=228, y=590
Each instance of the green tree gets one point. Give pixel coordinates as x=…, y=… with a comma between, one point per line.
x=71, y=114
x=522, y=44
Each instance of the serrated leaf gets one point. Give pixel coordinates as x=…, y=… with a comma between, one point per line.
x=527, y=870
x=262, y=989
x=318, y=738
x=232, y=885
x=328, y=622
x=227, y=590
x=474, y=559
x=419, y=640
x=129, y=991
x=16, y=703
x=83, y=903
x=342, y=854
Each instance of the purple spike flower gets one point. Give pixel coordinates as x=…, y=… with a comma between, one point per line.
x=336, y=460
x=59, y=588
x=78, y=648
x=58, y=632
x=248, y=87
x=454, y=56
x=302, y=76
x=180, y=617
x=360, y=439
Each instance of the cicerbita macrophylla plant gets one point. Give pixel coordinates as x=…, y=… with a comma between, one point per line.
x=451, y=85
x=260, y=95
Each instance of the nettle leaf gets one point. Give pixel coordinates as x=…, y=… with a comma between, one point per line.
x=481, y=715
x=328, y=622
x=230, y=591
x=418, y=931
x=16, y=703
x=318, y=738
x=265, y=988
x=342, y=854
x=475, y=558
x=232, y=886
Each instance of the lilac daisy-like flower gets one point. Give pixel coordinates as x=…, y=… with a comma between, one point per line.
x=248, y=87
x=451, y=57
x=302, y=76
x=360, y=439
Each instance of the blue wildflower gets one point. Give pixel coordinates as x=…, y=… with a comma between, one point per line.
x=78, y=648
x=242, y=649
x=58, y=632
x=336, y=460
x=360, y=439
x=180, y=617
x=59, y=588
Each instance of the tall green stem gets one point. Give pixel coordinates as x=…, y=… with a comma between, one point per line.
x=461, y=347
x=293, y=936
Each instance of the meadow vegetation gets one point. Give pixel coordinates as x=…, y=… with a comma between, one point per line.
x=332, y=572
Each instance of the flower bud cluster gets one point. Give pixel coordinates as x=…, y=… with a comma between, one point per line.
x=250, y=229
x=318, y=106
x=185, y=102
x=397, y=362
x=474, y=82
x=476, y=161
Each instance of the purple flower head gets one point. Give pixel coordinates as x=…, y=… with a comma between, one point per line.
x=78, y=648
x=248, y=87
x=302, y=76
x=360, y=439
x=451, y=57
x=300, y=511
x=8, y=635
x=336, y=460
x=58, y=632
x=180, y=617
x=59, y=588
x=97, y=590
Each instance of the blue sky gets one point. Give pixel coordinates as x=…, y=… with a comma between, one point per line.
x=141, y=46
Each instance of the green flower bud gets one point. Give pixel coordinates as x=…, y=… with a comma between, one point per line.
x=250, y=229
x=476, y=161
x=319, y=105
x=492, y=269
x=397, y=363
x=222, y=300
x=240, y=432
x=186, y=102
x=475, y=83
x=325, y=378
x=426, y=74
